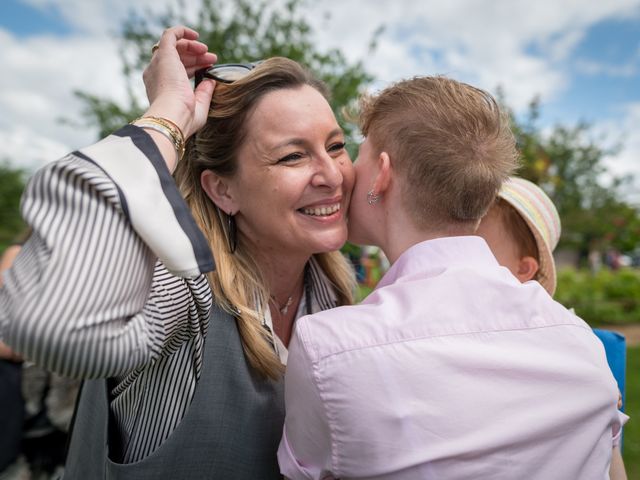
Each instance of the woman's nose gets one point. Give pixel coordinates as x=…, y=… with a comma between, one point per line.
x=328, y=172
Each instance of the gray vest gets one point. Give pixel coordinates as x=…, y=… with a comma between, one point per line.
x=231, y=429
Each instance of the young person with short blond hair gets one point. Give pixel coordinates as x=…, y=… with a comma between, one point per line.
x=451, y=368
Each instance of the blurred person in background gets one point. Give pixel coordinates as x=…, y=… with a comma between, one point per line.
x=44, y=409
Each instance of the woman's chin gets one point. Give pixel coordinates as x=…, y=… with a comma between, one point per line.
x=332, y=243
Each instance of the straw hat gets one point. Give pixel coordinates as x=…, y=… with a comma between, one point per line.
x=540, y=214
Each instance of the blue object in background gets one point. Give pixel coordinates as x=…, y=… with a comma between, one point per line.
x=615, y=346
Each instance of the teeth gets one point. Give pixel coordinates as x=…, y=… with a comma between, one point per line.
x=322, y=211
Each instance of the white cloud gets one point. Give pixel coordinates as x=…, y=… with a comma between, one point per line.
x=622, y=134
x=520, y=45
x=628, y=160
x=26, y=149
x=38, y=92
x=624, y=70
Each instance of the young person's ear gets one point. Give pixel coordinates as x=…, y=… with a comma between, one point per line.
x=383, y=177
x=218, y=190
x=527, y=268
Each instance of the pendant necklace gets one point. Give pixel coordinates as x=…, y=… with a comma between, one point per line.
x=284, y=308
x=306, y=291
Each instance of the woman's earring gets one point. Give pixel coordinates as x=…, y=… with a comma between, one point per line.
x=372, y=198
x=232, y=233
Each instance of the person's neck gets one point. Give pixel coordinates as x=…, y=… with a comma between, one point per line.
x=394, y=245
x=401, y=233
x=284, y=275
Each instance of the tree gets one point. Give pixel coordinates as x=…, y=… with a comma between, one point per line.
x=569, y=165
x=237, y=31
x=11, y=225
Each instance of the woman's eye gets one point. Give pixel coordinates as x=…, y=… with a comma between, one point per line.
x=292, y=157
x=336, y=147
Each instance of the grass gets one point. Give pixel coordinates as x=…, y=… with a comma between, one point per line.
x=631, y=442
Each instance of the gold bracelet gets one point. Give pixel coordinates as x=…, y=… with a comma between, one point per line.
x=163, y=130
x=167, y=128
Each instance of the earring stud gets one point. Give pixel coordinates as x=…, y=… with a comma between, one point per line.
x=372, y=198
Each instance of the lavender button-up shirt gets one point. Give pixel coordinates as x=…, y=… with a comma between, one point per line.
x=450, y=369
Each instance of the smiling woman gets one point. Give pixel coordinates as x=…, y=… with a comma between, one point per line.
x=175, y=300
x=271, y=162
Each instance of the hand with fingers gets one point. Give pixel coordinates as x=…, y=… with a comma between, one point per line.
x=176, y=58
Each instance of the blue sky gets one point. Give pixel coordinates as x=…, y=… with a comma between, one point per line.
x=605, y=70
x=581, y=57
x=25, y=20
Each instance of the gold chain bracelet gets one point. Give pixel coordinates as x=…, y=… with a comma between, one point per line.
x=165, y=127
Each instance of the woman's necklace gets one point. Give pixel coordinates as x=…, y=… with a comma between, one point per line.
x=285, y=307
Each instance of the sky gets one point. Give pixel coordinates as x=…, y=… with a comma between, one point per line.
x=581, y=58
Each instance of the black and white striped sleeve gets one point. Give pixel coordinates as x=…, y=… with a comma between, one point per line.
x=74, y=300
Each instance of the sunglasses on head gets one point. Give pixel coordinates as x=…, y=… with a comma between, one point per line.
x=225, y=72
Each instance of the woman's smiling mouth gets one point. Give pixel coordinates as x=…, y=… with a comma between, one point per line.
x=321, y=211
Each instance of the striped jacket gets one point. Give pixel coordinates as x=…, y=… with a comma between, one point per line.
x=112, y=284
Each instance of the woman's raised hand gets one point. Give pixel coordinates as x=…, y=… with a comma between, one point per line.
x=177, y=56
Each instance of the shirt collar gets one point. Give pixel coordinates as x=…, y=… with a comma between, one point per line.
x=432, y=257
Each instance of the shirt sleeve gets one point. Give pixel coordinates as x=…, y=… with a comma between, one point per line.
x=151, y=200
x=82, y=298
x=305, y=449
x=617, y=429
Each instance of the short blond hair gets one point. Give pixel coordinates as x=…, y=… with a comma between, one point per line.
x=450, y=142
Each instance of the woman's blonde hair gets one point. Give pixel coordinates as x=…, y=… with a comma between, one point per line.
x=237, y=283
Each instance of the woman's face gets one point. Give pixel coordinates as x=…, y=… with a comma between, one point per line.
x=294, y=178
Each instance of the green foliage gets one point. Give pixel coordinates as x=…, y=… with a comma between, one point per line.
x=237, y=31
x=106, y=114
x=568, y=164
x=631, y=444
x=606, y=297
x=11, y=225
x=362, y=292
